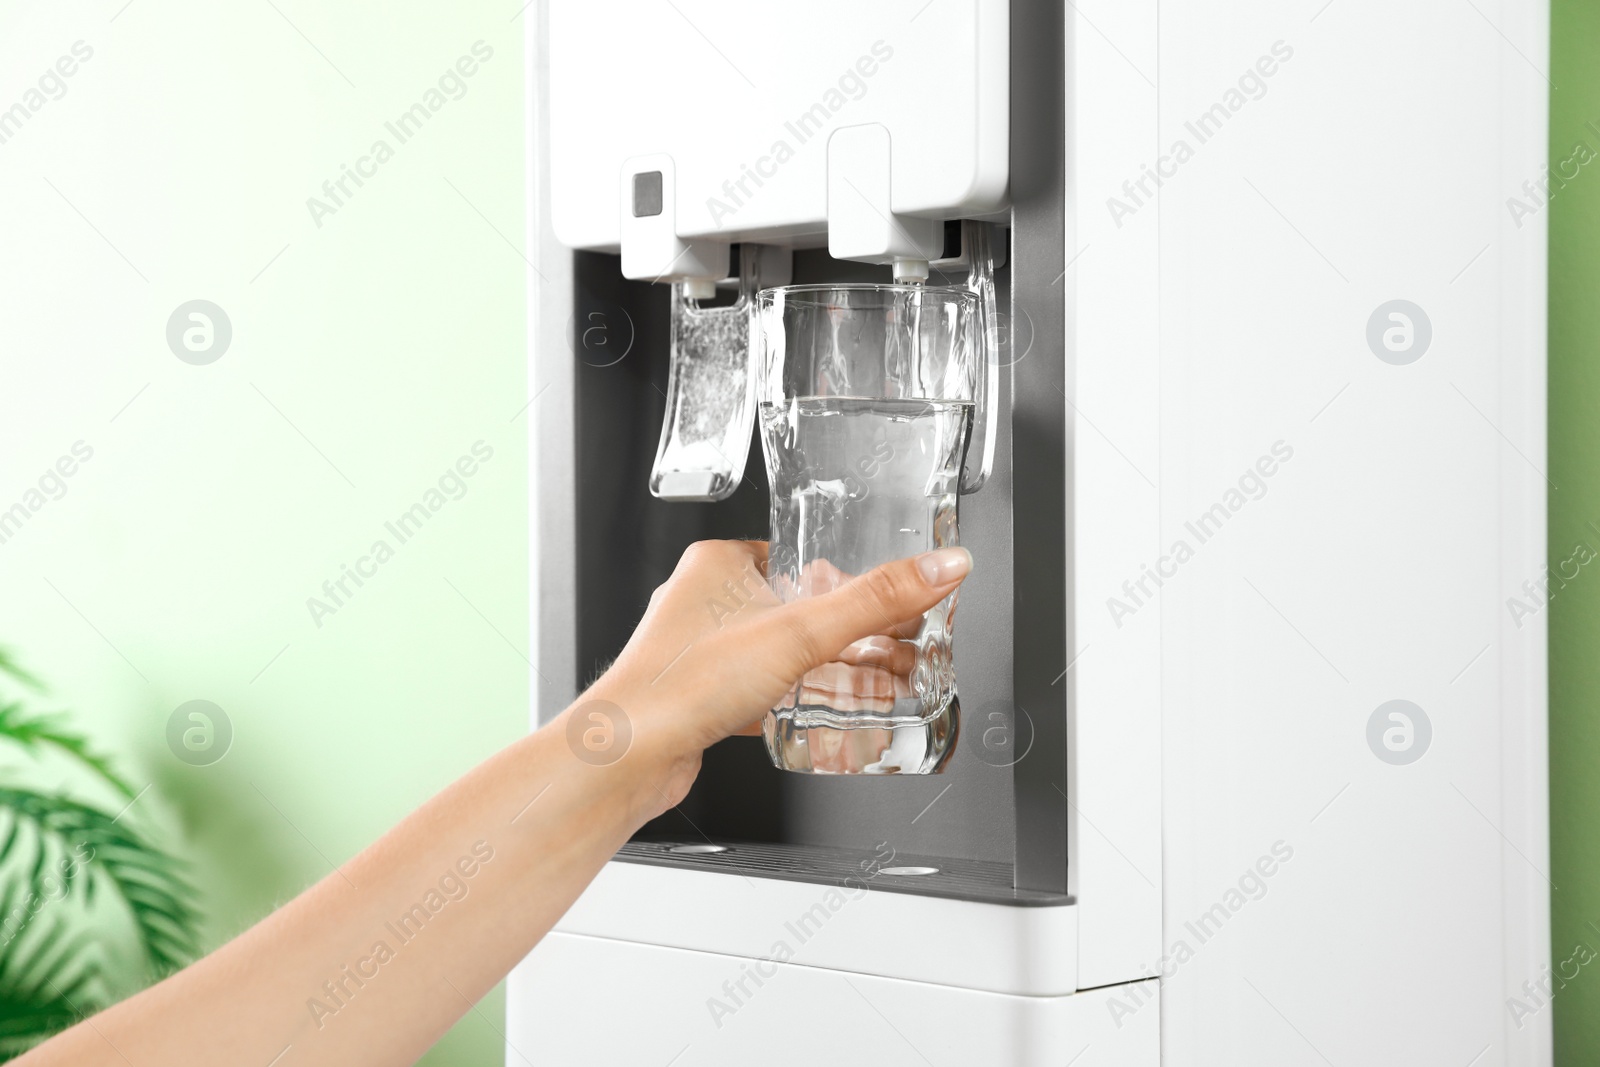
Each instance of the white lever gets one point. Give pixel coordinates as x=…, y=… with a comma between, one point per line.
x=652, y=251
x=862, y=224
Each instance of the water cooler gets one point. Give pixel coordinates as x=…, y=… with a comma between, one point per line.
x=1251, y=768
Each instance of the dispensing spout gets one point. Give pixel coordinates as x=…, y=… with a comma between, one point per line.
x=910, y=271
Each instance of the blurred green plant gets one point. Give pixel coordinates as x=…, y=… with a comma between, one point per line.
x=59, y=854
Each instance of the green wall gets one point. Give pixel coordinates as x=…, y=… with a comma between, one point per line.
x=368, y=354
x=1574, y=514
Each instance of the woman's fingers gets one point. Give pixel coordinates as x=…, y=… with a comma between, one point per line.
x=814, y=629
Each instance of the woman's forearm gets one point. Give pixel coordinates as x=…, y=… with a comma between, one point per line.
x=376, y=961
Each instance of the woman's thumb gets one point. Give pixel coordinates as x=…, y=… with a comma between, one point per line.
x=818, y=627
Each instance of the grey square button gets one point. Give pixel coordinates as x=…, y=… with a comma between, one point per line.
x=646, y=193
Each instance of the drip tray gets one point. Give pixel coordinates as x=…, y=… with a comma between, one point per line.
x=882, y=870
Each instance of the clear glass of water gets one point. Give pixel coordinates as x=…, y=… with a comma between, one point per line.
x=867, y=396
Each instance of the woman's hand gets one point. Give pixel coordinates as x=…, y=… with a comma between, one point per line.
x=716, y=649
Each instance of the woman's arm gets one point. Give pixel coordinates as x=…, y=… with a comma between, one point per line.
x=371, y=965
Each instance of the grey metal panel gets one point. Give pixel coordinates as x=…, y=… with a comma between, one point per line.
x=1042, y=439
x=627, y=542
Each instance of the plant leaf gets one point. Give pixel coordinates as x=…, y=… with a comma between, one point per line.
x=32, y=731
x=9, y=665
x=152, y=884
x=24, y=1023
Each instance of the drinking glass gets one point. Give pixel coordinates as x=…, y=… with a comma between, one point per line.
x=868, y=395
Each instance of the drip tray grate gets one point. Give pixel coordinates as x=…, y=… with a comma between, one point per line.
x=880, y=869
